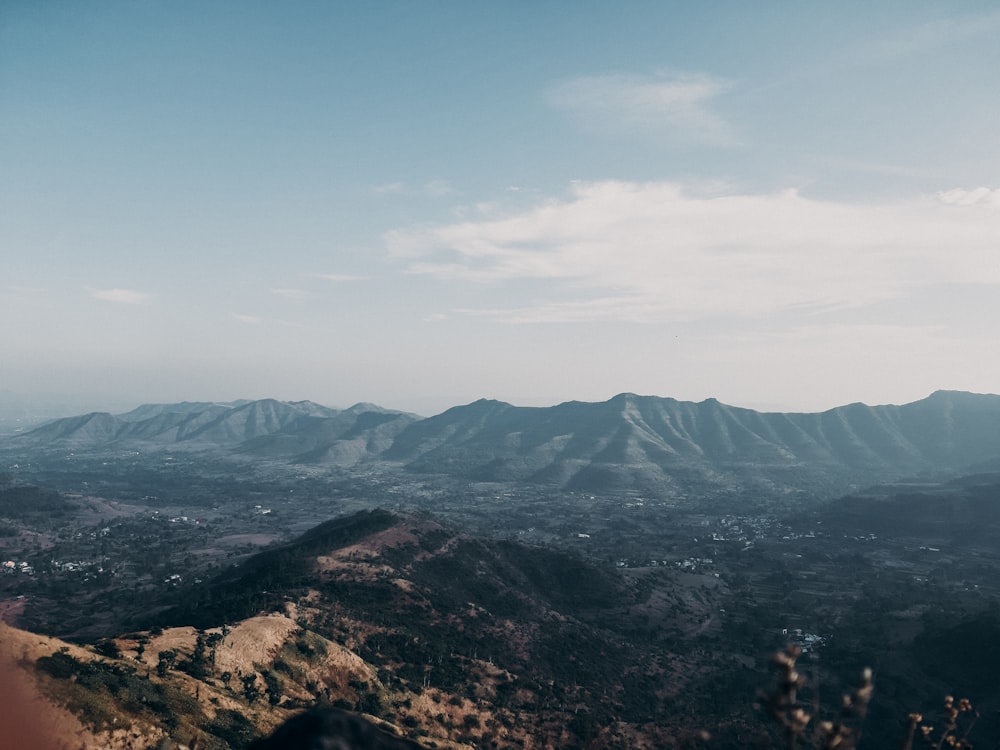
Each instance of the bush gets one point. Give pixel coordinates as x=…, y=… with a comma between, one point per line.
x=103, y=694
x=232, y=727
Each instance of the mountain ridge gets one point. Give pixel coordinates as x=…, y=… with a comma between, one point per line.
x=629, y=443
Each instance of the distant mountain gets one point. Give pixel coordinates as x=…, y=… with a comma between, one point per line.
x=95, y=428
x=148, y=411
x=647, y=444
x=355, y=435
x=655, y=444
x=265, y=427
x=20, y=412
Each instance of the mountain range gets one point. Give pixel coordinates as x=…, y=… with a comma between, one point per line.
x=630, y=443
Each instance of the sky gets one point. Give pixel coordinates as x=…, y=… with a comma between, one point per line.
x=786, y=206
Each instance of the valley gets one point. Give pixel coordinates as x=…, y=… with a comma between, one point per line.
x=489, y=613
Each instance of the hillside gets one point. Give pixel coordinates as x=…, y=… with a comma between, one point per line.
x=963, y=512
x=649, y=443
x=457, y=639
x=630, y=443
x=453, y=639
x=199, y=424
x=530, y=641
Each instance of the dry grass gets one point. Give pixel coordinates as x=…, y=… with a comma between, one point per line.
x=253, y=642
x=29, y=719
x=958, y=719
x=799, y=727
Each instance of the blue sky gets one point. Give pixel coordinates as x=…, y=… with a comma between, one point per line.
x=783, y=205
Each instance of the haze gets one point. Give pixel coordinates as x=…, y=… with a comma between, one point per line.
x=784, y=206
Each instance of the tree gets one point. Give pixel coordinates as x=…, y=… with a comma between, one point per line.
x=273, y=688
x=250, y=689
x=213, y=641
x=167, y=660
x=197, y=666
x=108, y=647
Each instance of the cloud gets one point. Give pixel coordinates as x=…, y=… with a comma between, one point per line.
x=672, y=107
x=659, y=251
x=436, y=188
x=124, y=296
x=295, y=295
x=249, y=319
x=621, y=309
x=390, y=188
x=339, y=277
x=920, y=39
x=982, y=196
x=860, y=165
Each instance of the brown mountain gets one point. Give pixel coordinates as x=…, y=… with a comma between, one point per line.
x=448, y=638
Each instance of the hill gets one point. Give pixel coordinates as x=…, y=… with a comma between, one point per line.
x=649, y=443
x=451, y=638
x=459, y=639
x=630, y=443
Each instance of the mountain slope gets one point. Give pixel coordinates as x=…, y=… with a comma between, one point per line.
x=630, y=443
x=537, y=645
x=649, y=443
x=454, y=639
x=266, y=427
x=346, y=438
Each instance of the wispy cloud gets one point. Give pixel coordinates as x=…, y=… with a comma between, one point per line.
x=657, y=251
x=389, y=188
x=124, y=296
x=435, y=188
x=895, y=46
x=249, y=319
x=871, y=167
x=669, y=107
x=294, y=295
x=978, y=197
x=339, y=277
x=919, y=39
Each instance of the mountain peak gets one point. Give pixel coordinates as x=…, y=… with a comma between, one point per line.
x=482, y=405
x=951, y=395
x=624, y=396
